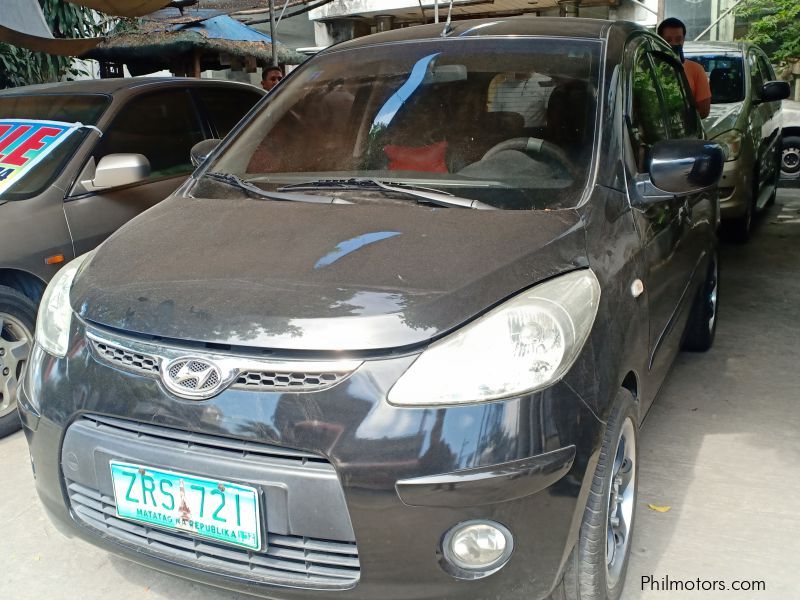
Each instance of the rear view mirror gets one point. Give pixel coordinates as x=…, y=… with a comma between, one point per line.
x=681, y=167
x=115, y=170
x=446, y=74
x=201, y=150
x=773, y=91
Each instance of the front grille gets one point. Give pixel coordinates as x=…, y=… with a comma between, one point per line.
x=288, y=560
x=134, y=361
x=251, y=376
x=276, y=381
x=181, y=440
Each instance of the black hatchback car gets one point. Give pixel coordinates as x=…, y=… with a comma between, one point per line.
x=395, y=337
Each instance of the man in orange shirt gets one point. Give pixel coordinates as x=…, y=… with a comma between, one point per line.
x=674, y=33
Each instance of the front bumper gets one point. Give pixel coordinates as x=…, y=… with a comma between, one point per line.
x=735, y=188
x=387, y=485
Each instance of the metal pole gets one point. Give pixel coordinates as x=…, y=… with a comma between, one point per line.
x=436, y=11
x=722, y=16
x=272, y=33
x=644, y=6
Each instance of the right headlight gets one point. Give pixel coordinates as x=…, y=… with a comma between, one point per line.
x=55, y=313
x=731, y=142
x=525, y=344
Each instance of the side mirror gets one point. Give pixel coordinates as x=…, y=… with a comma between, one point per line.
x=201, y=150
x=772, y=91
x=115, y=170
x=681, y=167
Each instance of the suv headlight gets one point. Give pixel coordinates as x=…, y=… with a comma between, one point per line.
x=731, y=142
x=525, y=344
x=55, y=313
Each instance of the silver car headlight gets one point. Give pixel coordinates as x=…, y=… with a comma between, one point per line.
x=525, y=344
x=55, y=313
x=731, y=142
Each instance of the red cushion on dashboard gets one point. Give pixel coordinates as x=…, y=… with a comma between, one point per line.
x=423, y=158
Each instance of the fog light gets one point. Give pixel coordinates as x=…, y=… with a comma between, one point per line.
x=478, y=547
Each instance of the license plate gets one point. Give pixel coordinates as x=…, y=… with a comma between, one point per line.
x=218, y=510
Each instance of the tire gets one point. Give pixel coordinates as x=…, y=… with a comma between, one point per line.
x=702, y=325
x=17, y=325
x=790, y=156
x=589, y=574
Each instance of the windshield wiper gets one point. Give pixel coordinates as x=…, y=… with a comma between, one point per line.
x=422, y=194
x=237, y=182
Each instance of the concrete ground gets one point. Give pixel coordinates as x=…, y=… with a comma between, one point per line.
x=720, y=448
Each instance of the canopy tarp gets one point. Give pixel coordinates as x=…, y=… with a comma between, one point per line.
x=22, y=24
x=155, y=46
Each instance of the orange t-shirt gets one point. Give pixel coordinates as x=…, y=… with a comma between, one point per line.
x=698, y=80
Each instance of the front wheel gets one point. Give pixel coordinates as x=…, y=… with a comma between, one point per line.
x=17, y=321
x=599, y=561
x=702, y=325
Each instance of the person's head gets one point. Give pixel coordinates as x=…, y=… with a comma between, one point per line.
x=674, y=33
x=270, y=77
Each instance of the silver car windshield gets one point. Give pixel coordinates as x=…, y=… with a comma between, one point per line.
x=725, y=74
x=509, y=123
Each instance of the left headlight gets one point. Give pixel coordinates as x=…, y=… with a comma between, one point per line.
x=731, y=142
x=525, y=344
x=55, y=313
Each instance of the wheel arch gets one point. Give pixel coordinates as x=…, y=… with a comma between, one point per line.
x=24, y=282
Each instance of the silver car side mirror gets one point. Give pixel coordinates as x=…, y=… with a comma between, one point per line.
x=201, y=150
x=115, y=170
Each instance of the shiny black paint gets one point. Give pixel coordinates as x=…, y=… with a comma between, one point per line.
x=453, y=265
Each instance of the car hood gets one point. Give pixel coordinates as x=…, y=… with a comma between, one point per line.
x=722, y=118
x=317, y=277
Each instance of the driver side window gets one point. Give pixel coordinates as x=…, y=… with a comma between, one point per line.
x=646, y=116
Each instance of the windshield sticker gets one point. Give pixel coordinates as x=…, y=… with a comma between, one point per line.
x=24, y=143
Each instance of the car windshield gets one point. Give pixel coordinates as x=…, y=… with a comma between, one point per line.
x=75, y=108
x=725, y=73
x=507, y=123
x=72, y=108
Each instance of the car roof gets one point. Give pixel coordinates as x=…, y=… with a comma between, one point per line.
x=690, y=47
x=112, y=86
x=510, y=26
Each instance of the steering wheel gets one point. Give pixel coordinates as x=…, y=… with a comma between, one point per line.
x=537, y=146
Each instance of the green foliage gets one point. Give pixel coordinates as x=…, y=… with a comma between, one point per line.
x=24, y=67
x=774, y=25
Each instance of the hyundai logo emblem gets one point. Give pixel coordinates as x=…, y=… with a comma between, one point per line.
x=193, y=378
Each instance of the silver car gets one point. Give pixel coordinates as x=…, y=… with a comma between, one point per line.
x=132, y=151
x=745, y=120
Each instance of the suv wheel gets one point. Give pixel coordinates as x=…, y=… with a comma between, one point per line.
x=596, y=568
x=17, y=322
x=702, y=325
x=790, y=158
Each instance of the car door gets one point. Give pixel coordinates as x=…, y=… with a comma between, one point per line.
x=662, y=218
x=769, y=165
x=161, y=125
x=758, y=121
x=224, y=107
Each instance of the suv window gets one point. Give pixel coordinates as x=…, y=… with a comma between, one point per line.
x=163, y=126
x=646, y=117
x=756, y=76
x=766, y=69
x=681, y=122
x=225, y=107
